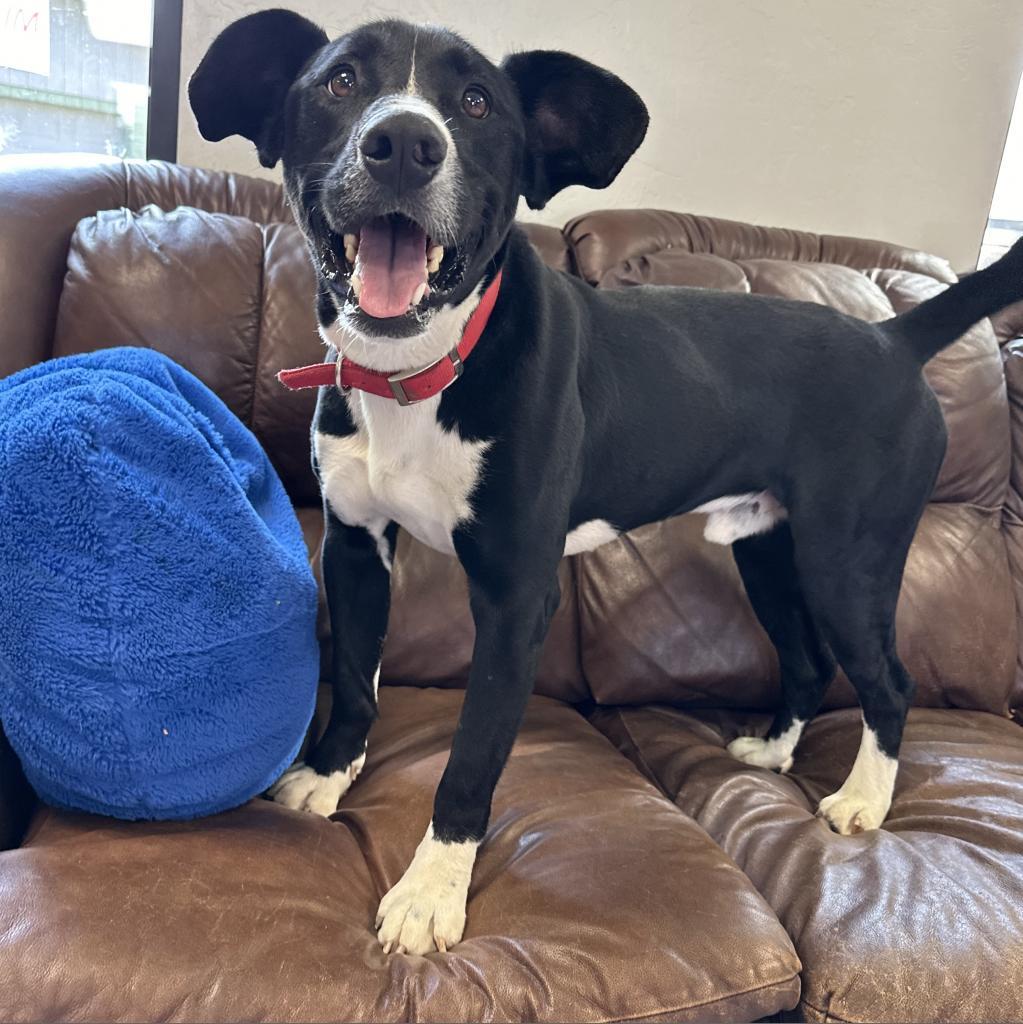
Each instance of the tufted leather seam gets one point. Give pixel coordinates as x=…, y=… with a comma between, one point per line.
x=826, y=1016
x=260, y=305
x=638, y=758
x=659, y=1014
x=573, y=571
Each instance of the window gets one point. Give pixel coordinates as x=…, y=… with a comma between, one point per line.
x=1005, y=223
x=89, y=76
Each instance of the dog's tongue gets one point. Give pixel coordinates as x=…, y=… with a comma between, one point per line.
x=392, y=265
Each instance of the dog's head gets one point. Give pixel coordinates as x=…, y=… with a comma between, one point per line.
x=405, y=150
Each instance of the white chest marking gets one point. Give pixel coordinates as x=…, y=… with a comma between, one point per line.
x=741, y=515
x=589, y=535
x=400, y=465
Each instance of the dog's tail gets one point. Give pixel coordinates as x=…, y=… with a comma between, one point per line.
x=936, y=323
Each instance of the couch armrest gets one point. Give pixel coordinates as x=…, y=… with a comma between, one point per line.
x=42, y=198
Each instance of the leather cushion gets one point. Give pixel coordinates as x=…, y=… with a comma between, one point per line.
x=228, y=299
x=594, y=899
x=921, y=920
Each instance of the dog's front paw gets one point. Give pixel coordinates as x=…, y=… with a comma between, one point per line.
x=426, y=909
x=762, y=753
x=852, y=812
x=304, y=789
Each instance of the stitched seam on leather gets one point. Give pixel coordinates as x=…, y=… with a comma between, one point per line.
x=706, y=1002
x=640, y=761
x=827, y=1016
x=259, y=328
x=573, y=570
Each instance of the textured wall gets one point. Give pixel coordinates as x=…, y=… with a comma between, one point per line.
x=883, y=118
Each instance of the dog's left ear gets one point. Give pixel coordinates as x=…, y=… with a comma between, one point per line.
x=582, y=122
x=240, y=85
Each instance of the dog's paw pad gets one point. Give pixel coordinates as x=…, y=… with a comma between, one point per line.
x=304, y=789
x=761, y=753
x=851, y=813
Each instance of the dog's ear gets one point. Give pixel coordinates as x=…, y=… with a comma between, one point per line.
x=582, y=122
x=240, y=85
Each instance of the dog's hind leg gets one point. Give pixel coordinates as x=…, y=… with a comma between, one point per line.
x=851, y=577
x=768, y=571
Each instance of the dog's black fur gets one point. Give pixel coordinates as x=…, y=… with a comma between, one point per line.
x=625, y=407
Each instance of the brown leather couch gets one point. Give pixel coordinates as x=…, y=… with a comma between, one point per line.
x=633, y=871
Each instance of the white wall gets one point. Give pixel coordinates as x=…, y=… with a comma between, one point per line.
x=881, y=118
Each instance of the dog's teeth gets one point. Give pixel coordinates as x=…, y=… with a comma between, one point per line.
x=351, y=247
x=417, y=295
x=356, y=284
x=433, y=258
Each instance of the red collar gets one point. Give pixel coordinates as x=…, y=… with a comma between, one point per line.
x=409, y=386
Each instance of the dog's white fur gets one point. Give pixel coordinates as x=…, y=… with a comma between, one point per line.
x=390, y=355
x=741, y=515
x=866, y=795
x=587, y=536
x=400, y=465
x=304, y=789
x=426, y=908
x=772, y=753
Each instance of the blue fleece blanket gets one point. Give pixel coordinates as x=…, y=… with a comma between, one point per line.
x=158, y=654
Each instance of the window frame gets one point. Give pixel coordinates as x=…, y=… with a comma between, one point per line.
x=164, y=81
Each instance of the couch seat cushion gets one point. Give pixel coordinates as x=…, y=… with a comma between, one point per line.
x=920, y=921
x=594, y=899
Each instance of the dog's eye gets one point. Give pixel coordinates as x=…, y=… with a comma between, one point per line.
x=342, y=82
x=475, y=102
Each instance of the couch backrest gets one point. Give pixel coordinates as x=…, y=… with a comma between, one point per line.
x=225, y=288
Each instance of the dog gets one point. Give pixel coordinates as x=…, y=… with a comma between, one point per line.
x=810, y=437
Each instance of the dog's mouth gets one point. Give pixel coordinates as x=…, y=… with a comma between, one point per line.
x=391, y=266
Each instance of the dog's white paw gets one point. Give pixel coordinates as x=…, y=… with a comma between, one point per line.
x=768, y=753
x=762, y=753
x=426, y=909
x=304, y=789
x=849, y=813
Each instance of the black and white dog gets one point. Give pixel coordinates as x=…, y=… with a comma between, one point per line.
x=810, y=437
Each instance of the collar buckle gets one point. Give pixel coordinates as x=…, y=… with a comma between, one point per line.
x=396, y=380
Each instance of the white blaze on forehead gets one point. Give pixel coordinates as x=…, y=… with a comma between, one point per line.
x=410, y=87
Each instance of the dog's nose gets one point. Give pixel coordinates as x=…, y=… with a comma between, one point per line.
x=403, y=151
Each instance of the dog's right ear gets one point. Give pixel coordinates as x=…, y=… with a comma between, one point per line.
x=240, y=85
